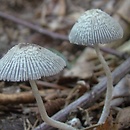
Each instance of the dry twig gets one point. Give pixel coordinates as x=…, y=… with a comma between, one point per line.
x=87, y=99
x=23, y=97
x=54, y=35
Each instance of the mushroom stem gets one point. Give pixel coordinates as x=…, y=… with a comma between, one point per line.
x=43, y=112
x=106, y=108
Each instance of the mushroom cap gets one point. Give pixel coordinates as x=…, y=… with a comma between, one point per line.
x=29, y=62
x=94, y=27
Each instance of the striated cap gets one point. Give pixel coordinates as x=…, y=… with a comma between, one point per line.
x=94, y=27
x=29, y=62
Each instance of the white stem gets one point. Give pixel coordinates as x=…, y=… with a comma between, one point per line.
x=43, y=113
x=106, y=108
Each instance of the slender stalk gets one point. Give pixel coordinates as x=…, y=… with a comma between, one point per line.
x=106, y=108
x=43, y=113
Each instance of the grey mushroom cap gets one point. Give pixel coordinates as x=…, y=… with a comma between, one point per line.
x=29, y=62
x=94, y=27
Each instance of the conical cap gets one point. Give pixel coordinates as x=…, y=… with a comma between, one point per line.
x=29, y=62
x=94, y=27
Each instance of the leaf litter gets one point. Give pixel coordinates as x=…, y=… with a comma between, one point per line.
x=58, y=16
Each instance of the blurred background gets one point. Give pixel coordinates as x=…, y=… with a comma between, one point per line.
x=48, y=23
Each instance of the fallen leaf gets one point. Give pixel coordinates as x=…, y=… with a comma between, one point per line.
x=108, y=125
x=83, y=68
x=121, y=92
x=123, y=119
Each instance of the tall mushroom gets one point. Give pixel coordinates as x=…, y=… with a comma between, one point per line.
x=92, y=28
x=30, y=62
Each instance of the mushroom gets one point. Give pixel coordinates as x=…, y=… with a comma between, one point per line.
x=92, y=28
x=30, y=62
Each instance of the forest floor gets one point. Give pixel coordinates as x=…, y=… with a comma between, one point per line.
x=48, y=23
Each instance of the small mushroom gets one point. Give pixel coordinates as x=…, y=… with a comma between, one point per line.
x=92, y=28
x=30, y=62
